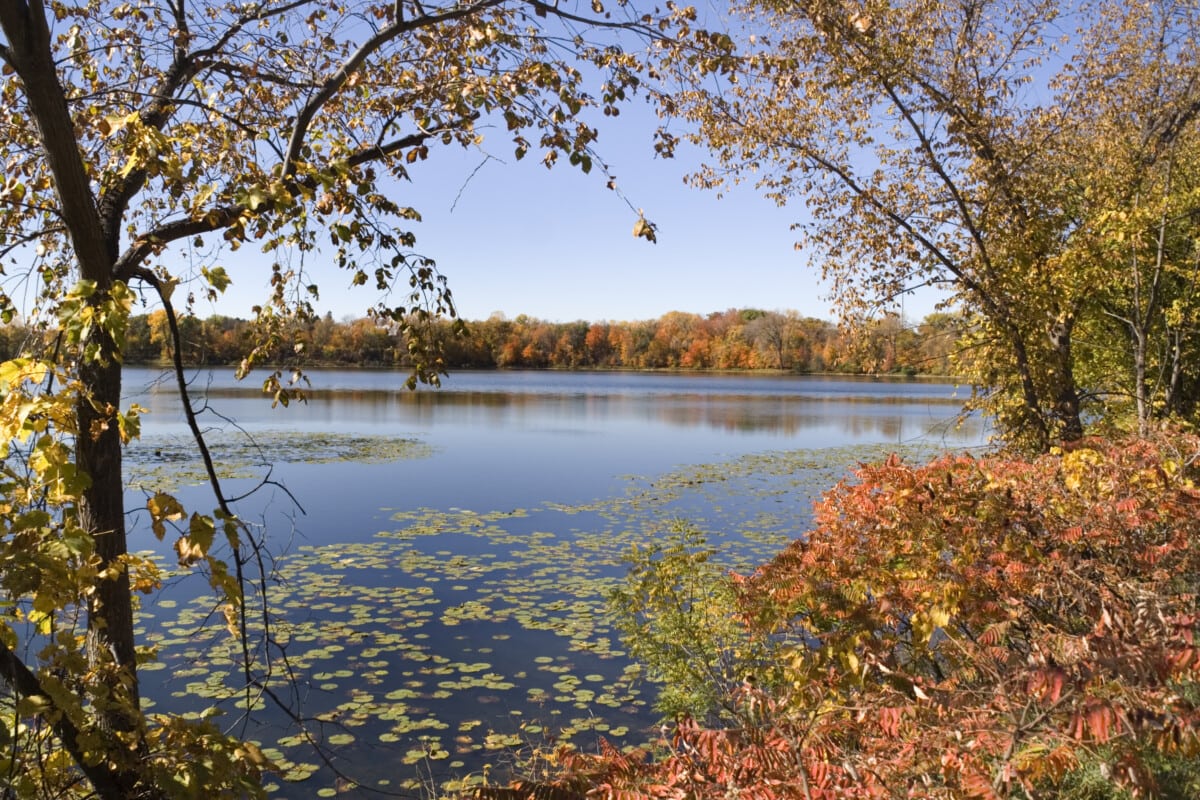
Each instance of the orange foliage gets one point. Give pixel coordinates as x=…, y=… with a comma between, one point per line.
x=727, y=340
x=976, y=627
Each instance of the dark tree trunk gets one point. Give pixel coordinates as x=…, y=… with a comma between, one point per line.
x=109, y=784
x=1067, y=411
x=98, y=447
x=1029, y=393
x=102, y=513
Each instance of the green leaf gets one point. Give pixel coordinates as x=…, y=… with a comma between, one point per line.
x=256, y=198
x=216, y=277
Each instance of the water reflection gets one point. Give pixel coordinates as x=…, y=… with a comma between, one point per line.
x=491, y=448
x=741, y=406
x=575, y=383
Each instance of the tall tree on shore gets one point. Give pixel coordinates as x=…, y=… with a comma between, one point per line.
x=1135, y=174
x=133, y=132
x=949, y=143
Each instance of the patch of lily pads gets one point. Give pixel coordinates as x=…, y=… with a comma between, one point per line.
x=423, y=657
x=167, y=462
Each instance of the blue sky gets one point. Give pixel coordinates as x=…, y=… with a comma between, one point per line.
x=516, y=238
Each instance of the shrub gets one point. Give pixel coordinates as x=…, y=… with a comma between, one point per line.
x=975, y=627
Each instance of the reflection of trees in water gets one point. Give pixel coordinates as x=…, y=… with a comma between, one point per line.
x=872, y=418
x=854, y=419
x=888, y=418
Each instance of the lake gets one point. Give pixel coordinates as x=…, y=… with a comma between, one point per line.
x=440, y=559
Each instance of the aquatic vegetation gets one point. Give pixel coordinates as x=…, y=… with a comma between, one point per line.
x=163, y=463
x=458, y=634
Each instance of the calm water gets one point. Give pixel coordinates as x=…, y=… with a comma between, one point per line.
x=519, y=437
x=438, y=606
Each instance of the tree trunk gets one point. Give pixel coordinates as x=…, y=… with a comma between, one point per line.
x=1029, y=393
x=1173, y=403
x=1141, y=386
x=97, y=446
x=110, y=625
x=109, y=784
x=1183, y=389
x=1066, y=410
x=102, y=513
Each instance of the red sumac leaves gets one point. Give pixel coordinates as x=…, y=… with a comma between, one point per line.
x=984, y=638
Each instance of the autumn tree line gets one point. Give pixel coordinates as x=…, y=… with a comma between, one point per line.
x=737, y=339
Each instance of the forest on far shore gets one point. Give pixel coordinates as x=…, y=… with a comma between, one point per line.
x=736, y=339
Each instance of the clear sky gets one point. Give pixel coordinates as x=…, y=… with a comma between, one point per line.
x=516, y=238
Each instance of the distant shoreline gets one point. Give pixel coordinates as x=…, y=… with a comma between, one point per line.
x=898, y=377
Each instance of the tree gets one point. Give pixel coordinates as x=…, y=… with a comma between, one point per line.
x=772, y=333
x=597, y=345
x=1134, y=174
x=134, y=130
x=673, y=337
x=938, y=334
x=934, y=142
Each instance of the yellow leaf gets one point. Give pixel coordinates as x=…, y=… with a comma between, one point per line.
x=163, y=507
x=195, y=545
x=643, y=229
x=202, y=195
x=940, y=617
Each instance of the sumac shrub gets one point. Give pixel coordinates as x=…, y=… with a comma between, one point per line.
x=973, y=627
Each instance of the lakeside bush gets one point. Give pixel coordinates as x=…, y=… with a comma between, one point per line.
x=990, y=627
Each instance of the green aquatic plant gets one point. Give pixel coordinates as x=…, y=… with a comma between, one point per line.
x=166, y=463
x=467, y=631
